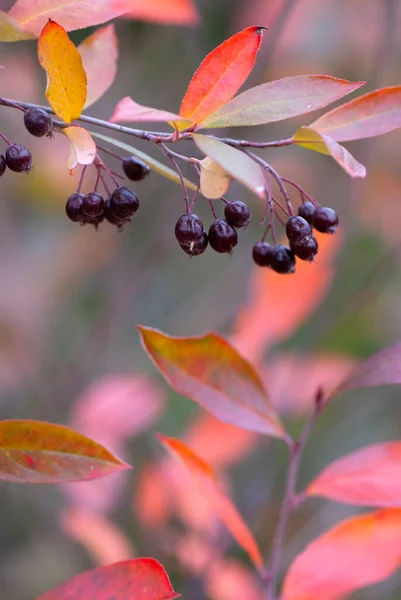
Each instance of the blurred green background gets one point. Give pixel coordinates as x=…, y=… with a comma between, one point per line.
x=71, y=297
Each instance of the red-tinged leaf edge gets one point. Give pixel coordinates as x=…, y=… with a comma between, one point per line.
x=85, y=585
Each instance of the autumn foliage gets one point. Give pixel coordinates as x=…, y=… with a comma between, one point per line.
x=247, y=392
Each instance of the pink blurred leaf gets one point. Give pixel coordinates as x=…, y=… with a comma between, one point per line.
x=211, y=372
x=207, y=482
x=10, y=29
x=99, y=53
x=309, y=138
x=358, y=552
x=39, y=452
x=383, y=368
x=370, y=476
x=373, y=114
x=139, y=579
x=178, y=12
x=235, y=162
x=279, y=100
x=83, y=148
x=221, y=74
x=129, y=111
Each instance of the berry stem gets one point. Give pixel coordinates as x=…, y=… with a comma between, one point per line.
x=248, y=144
x=170, y=155
x=81, y=179
x=5, y=139
x=99, y=171
x=106, y=187
x=211, y=204
x=296, y=448
x=301, y=190
x=279, y=180
x=100, y=165
x=107, y=151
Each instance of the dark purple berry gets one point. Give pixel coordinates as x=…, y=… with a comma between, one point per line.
x=306, y=211
x=282, y=259
x=123, y=203
x=73, y=208
x=3, y=165
x=222, y=237
x=305, y=249
x=196, y=248
x=135, y=169
x=93, y=205
x=297, y=229
x=325, y=219
x=237, y=214
x=18, y=158
x=111, y=218
x=189, y=229
x=261, y=254
x=38, y=122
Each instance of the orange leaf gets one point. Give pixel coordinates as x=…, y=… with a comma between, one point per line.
x=99, y=53
x=235, y=162
x=39, y=452
x=360, y=551
x=370, y=476
x=10, y=30
x=211, y=372
x=83, y=148
x=309, y=138
x=279, y=100
x=373, y=114
x=129, y=111
x=273, y=294
x=178, y=12
x=66, y=77
x=202, y=472
x=32, y=15
x=139, y=579
x=221, y=74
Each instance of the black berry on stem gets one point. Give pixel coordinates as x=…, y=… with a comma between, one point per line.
x=305, y=249
x=325, y=219
x=111, y=218
x=93, y=205
x=3, y=165
x=297, y=228
x=189, y=229
x=237, y=214
x=135, y=169
x=261, y=254
x=196, y=248
x=306, y=211
x=282, y=259
x=222, y=237
x=38, y=122
x=73, y=208
x=123, y=203
x=18, y=158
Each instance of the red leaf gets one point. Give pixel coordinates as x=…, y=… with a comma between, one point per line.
x=221, y=74
x=138, y=579
x=38, y=452
x=309, y=138
x=129, y=111
x=271, y=293
x=99, y=53
x=179, y=12
x=373, y=114
x=211, y=372
x=235, y=162
x=370, y=476
x=360, y=551
x=206, y=480
x=281, y=99
x=383, y=368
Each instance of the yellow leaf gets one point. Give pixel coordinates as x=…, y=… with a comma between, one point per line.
x=11, y=31
x=83, y=148
x=66, y=77
x=214, y=180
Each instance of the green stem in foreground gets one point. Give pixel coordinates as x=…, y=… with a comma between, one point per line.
x=290, y=498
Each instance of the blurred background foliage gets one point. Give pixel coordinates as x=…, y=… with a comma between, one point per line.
x=70, y=299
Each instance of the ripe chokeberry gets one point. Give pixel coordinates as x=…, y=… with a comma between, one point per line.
x=73, y=208
x=111, y=218
x=38, y=122
x=325, y=219
x=261, y=254
x=93, y=205
x=189, y=229
x=123, y=203
x=282, y=259
x=222, y=237
x=18, y=158
x=306, y=211
x=297, y=228
x=237, y=214
x=135, y=169
x=305, y=249
x=3, y=165
x=196, y=248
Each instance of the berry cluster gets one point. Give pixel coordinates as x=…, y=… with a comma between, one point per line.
x=222, y=235
x=117, y=209
x=303, y=244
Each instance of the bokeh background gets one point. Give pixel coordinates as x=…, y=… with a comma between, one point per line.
x=71, y=297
